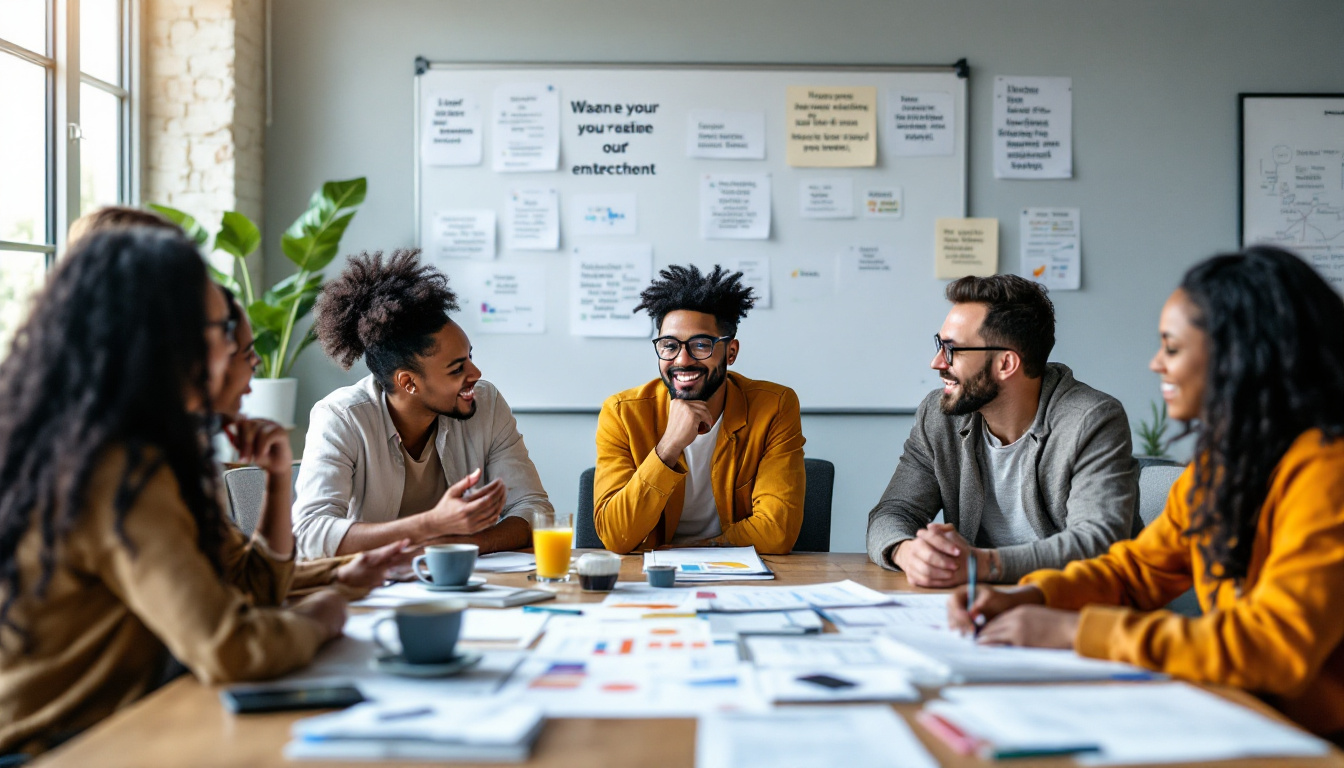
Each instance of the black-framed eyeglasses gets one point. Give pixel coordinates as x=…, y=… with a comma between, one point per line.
x=229, y=326
x=948, y=348
x=701, y=347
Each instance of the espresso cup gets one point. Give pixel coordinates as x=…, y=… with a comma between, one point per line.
x=449, y=564
x=428, y=631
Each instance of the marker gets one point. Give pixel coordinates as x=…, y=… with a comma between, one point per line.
x=971, y=567
x=544, y=609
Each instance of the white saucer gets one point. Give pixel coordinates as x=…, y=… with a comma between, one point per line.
x=473, y=584
x=396, y=664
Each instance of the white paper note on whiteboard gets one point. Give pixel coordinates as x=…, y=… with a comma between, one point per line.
x=527, y=128
x=920, y=123
x=501, y=298
x=735, y=207
x=464, y=234
x=532, y=220
x=609, y=214
x=1052, y=247
x=722, y=135
x=826, y=198
x=604, y=286
x=755, y=275
x=452, y=129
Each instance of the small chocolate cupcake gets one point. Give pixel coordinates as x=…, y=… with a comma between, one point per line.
x=598, y=571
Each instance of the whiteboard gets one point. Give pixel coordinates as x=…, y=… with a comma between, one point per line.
x=1292, y=176
x=846, y=343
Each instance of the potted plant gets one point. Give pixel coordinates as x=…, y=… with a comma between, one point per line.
x=1152, y=436
x=311, y=242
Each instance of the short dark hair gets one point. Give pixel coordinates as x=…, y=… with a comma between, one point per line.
x=384, y=310
x=1020, y=316
x=719, y=293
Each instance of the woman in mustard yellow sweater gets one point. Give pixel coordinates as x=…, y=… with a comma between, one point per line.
x=1252, y=348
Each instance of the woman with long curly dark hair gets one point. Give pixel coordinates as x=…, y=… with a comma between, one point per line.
x=1252, y=348
x=113, y=549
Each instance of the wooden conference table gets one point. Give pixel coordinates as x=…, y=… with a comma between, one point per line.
x=183, y=724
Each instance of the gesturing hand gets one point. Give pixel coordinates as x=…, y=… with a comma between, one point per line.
x=460, y=515
x=370, y=569
x=685, y=420
x=990, y=603
x=263, y=443
x=327, y=608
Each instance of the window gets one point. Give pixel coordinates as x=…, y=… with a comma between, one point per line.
x=66, y=140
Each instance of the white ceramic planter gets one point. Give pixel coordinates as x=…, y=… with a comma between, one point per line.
x=273, y=399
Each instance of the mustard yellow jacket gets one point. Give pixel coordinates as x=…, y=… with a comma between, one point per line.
x=1277, y=632
x=758, y=476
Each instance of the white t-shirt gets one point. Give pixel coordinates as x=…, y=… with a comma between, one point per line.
x=699, y=513
x=1003, y=522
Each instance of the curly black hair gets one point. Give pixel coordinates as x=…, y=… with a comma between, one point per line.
x=719, y=293
x=384, y=310
x=106, y=358
x=1275, y=332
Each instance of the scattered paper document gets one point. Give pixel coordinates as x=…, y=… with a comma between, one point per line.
x=401, y=593
x=1033, y=127
x=506, y=562
x=871, y=736
x=444, y=730
x=636, y=600
x=735, y=207
x=920, y=123
x=826, y=198
x=966, y=247
x=451, y=133
x=930, y=614
x=501, y=298
x=831, y=126
x=755, y=275
x=463, y=235
x=732, y=625
x=805, y=684
x=608, y=214
x=832, y=595
x=940, y=657
x=704, y=564
x=816, y=651
x=510, y=627
x=532, y=220
x=604, y=286
x=655, y=641
x=1052, y=247
x=722, y=135
x=1128, y=724
x=587, y=689
x=886, y=203
x=527, y=127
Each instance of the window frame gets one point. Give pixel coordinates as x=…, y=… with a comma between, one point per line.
x=64, y=79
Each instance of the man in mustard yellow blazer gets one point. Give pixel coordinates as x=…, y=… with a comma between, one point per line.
x=699, y=456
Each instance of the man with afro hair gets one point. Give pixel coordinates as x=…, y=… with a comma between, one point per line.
x=422, y=448
x=699, y=456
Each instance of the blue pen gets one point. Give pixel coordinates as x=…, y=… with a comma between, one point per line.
x=544, y=609
x=971, y=567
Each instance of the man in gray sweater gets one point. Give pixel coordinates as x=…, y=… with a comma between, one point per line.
x=1030, y=467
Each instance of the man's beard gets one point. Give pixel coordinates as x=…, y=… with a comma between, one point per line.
x=459, y=415
x=713, y=379
x=976, y=392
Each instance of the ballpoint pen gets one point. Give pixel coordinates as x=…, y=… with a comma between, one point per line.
x=971, y=567
x=546, y=609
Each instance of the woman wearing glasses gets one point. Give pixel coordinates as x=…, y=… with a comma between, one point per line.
x=1252, y=348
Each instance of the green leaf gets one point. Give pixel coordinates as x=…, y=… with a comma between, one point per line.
x=312, y=241
x=188, y=224
x=346, y=194
x=290, y=286
x=308, y=338
x=238, y=235
x=225, y=280
x=266, y=342
x=267, y=317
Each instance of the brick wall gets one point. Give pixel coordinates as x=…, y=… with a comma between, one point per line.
x=204, y=92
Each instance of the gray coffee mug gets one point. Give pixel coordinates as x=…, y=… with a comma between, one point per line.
x=428, y=631
x=449, y=564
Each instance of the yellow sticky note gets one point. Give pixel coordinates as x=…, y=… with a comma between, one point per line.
x=966, y=247
x=831, y=127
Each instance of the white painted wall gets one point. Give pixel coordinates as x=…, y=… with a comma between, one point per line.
x=1155, y=146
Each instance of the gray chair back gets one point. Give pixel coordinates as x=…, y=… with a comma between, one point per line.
x=1155, y=480
x=245, y=488
x=815, y=535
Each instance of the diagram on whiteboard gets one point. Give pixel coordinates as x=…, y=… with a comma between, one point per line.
x=1293, y=180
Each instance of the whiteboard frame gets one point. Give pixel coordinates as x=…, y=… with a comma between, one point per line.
x=423, y=65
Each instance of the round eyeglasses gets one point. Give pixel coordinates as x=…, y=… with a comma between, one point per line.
x=948, y=348
x=701, y=347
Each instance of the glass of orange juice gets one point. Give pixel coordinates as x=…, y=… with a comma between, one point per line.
x=552, y=535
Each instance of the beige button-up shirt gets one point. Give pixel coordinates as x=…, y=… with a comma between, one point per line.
x=353, y=470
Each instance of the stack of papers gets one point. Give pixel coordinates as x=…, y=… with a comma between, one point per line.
x=938, y=657
x=908, y=609
x=506, y=562
x=441, y=730
x=809, y=737
x=712, y=564
x=489, y=596
x=1110, y=724
x=808, y=684
x=731, y=625
x=833, y=595
x=816, y=651
x=510, y=628
x=595, y=689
